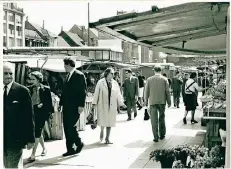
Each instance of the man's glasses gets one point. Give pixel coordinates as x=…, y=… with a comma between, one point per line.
x=8, y=73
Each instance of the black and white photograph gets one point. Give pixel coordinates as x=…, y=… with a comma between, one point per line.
x=115, y=84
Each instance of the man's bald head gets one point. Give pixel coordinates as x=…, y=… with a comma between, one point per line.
x=8, y=72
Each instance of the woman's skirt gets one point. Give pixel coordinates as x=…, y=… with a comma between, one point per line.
x=190, y=101
x=39, y=121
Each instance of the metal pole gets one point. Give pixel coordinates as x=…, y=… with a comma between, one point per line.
x=88, y=9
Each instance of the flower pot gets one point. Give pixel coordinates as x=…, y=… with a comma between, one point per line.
x=167, y=163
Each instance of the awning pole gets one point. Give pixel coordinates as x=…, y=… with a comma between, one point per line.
x=227, y=159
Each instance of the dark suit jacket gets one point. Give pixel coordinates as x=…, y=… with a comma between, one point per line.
x=46, y=100
x=18, y=118
x=73, y=94
x=131, y=88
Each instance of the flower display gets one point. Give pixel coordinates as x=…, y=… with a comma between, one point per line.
x=187, y=156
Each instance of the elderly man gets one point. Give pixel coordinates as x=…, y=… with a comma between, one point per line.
x=157, y=94
x=18, y=119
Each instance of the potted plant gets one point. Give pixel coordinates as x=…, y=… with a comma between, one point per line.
x=165, y=156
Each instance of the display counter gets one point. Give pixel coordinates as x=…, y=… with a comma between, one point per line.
x=216, y=119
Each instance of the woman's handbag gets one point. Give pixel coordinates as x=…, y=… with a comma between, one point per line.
x=146, y=115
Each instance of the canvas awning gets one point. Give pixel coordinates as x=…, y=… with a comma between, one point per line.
x=190, y=28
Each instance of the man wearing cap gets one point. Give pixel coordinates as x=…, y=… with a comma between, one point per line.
x=157, y=94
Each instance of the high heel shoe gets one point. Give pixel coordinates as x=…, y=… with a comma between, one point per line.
x=194, y=121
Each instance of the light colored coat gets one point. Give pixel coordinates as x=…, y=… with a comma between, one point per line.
x=106, y=116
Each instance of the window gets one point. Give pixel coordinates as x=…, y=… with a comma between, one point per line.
x=105, y=55
x=19, y=42
x=5, y=13
x=98, y=55
x=4, y=41
x=19, y=30
x=92, y=54
x=11, y=29
x=18, y=19
x=4, y=27
x=11, y=17
x=11, y=42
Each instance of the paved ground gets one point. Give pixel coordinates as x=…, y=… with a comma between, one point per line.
x=132, y=144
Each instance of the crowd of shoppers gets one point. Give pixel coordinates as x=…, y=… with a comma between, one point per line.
x=32, y=105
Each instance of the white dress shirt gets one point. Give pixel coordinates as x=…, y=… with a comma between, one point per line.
x=8, y=87
x=70, y=74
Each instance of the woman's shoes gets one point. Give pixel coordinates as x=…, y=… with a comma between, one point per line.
x=44, y=153
x=108, y=142
x=30, y=160
x=194, y=121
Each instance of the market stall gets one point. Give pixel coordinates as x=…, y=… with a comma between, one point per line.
x=214, y=112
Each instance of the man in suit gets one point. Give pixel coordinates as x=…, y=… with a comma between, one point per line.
x=157, y=94
x=176, y=89
x=18, y=119
x=131, y=92
x=72, y=103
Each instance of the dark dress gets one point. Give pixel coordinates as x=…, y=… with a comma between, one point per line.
x=41, y=114
x=190, y=99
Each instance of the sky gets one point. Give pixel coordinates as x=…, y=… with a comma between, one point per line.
x=57, y=14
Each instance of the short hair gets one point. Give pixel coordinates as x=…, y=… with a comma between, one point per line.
x=69, y=61
x=128, y=70
x=193, y=75
x=38, y=75
x=9, y=65
x=108, y=71
x=157, y=69
x=164, y=74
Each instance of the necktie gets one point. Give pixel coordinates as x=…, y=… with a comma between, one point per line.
x=5, y=97
x=68, y=75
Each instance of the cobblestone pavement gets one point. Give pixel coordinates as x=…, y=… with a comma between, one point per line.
x=132, y=143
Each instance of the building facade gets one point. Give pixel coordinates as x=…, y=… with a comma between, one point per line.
x=38, y=36
x=13, y=26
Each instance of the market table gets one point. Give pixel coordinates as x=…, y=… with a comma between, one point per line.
x=216, y=118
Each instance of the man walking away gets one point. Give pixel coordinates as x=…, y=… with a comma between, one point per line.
x=19, y=128
x=130, y=91
x=72, y=102
x=141, y=88
x=176, y=89
x=157, y=94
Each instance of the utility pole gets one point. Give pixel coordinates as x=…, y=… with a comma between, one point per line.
x=88, y=9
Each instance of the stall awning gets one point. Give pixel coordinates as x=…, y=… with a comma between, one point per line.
x=190, y=28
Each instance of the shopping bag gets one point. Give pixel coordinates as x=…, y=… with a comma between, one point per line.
x=146, y=115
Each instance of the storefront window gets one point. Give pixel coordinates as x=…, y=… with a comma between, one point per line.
x=98, y=55
x=105, y=55
x=92, y=54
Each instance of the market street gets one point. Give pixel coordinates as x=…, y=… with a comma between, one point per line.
x=132, y=143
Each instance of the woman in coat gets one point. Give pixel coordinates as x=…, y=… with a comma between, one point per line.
x=107, y=98
x=42, y=104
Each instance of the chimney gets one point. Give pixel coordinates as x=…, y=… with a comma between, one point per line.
x=43, y=24
x=27, y=18
x=61, y=28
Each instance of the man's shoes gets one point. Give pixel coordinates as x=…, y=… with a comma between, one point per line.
x=178, y=106
x=135, y=114
x=162, y=137
x=69, y=153
x=140, y=108
x=155, y=140
x=79, y=148
x=184, y=121
x=129, y=119
x=194, y=121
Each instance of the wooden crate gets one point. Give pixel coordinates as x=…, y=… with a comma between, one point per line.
x=57, y=125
